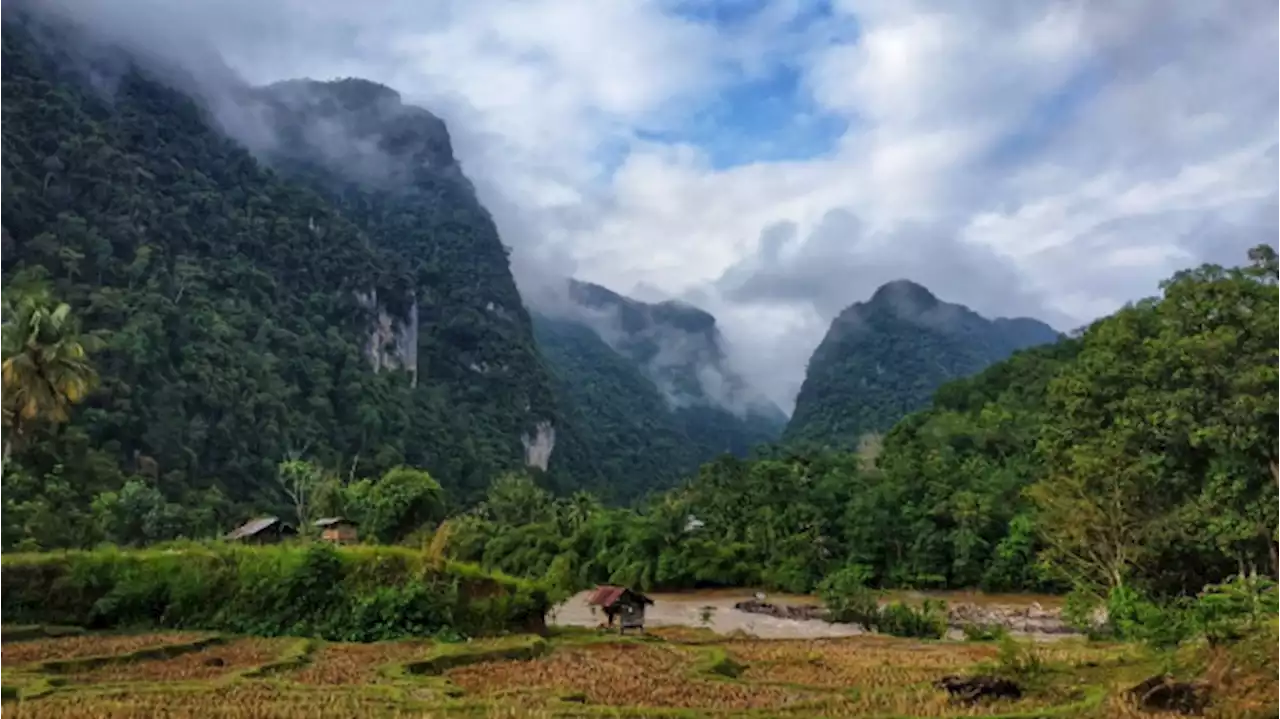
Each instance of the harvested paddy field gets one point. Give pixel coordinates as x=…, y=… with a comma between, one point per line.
x=572, y=673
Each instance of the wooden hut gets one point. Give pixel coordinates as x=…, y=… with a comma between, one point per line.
x=624, y=604
x=338, y=530
x=263, y=530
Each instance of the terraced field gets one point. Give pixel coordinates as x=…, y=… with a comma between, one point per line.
x=573, y=673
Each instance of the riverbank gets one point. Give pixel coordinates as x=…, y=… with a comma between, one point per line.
x=795, y=616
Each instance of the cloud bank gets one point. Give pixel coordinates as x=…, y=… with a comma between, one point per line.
x=775, y=160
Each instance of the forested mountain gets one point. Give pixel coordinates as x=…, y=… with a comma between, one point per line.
x=653, y=383
x=883, y=358
x=360, y=315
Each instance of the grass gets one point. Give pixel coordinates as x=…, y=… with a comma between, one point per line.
x=581, y=673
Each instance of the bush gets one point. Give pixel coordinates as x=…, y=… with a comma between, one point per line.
x=848, y=600
x=1133, y=617
x=929, y=621
x=984, y=632
x=1236, y=608
x=1017, y=661
x=354, y=594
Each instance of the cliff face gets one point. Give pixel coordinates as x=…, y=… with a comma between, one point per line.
x=390, y=168
x=884, y=358
x=654, y=385
x=327, y=284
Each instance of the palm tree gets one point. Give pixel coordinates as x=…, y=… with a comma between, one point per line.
x=46, y=368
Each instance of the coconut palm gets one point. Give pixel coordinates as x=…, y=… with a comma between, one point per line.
x=46, y=368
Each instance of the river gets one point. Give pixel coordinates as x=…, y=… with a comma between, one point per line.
x=686, y=609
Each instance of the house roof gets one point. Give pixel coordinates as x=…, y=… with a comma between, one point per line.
x=607, y=595
x=331, y=521
x=252, y=527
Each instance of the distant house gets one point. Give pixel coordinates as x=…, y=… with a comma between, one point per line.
x=338, y=530
x=623, y=603
x=263, y=530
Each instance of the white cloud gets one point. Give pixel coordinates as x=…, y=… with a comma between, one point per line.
x=1077, y=150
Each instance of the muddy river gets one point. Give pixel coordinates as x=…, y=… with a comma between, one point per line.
x=686, y=609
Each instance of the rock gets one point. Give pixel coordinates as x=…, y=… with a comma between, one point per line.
x=1161, y=693
x=1032, y=618
x=977, y=688
x=215, y=662
x=782, y=611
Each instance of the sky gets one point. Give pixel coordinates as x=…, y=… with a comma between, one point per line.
x=773, y=161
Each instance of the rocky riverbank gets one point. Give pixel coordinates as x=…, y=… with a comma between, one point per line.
x=1032, y=619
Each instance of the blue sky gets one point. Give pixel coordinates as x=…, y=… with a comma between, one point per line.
x=1046, y=158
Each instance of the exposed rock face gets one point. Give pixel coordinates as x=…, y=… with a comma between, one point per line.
x=393, y=341
x=538, y=448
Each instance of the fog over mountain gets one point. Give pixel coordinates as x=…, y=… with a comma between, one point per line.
x=772, y=163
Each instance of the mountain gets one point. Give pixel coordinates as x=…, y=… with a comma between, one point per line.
x=340, y=294
x=883, y=358
x=654, y=385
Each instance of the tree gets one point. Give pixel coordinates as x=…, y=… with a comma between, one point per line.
x=1161, y=435
x=46, y=366
x=396, y=504
x=299, y=480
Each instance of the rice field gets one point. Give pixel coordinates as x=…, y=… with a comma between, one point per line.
x=573, y=673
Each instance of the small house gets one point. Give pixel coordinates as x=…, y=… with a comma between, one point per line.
x=338, y=530
x=624, y=604
x=263, y=530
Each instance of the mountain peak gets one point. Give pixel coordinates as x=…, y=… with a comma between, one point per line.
x=904, y=293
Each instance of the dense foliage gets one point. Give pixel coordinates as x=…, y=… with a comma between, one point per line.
x=884, y=358
x=637, y=438
x=650, y=420
x=771, y=522
x=360, y=594
x=1139, y=455
x=243, y=311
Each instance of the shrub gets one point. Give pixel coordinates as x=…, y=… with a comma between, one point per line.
x=848, y=600
x=357, y=593
x=1236, y=608
x=984, y=632
x=928, y=621
x=1133, y=617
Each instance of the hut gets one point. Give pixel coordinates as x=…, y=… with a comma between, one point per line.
x=263, y=530
x=338, y=530
x=622, y=603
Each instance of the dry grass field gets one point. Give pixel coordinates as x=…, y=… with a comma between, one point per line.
x=575, y=673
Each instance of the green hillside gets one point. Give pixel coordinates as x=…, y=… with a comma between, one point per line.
x=248, y=314
x=884, y=358
x=654, y=385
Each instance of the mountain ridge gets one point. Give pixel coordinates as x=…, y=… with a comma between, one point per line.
x=884, y=357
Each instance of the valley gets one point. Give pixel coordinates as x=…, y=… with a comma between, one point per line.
x=289, y=431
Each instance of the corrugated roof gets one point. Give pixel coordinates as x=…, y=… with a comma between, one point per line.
x=606, y=595
x=330, y=521
x=252, y=527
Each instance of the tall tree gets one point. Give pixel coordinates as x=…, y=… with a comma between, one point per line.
x=46, y=366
